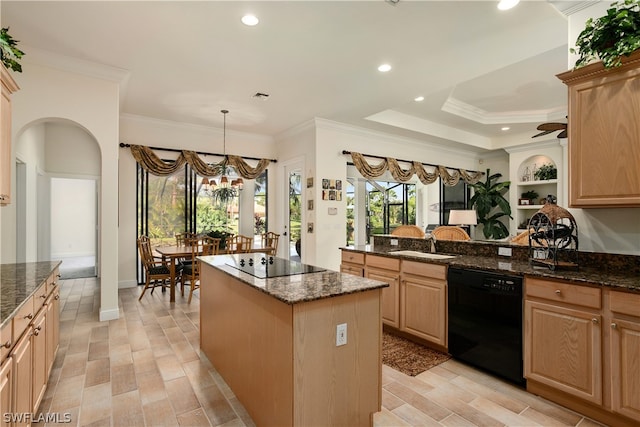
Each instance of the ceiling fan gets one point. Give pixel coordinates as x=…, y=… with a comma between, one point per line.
x=548, y=128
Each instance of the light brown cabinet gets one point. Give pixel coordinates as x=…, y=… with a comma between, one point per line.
x=582, y=348
x=6, y=389
x=386, y=270
x=423, y=301
x=624, y=322
x=22, y=358
x=27, y=362
x=9, y=86
x=352, y=263
x=563, y=345
x=604, y=134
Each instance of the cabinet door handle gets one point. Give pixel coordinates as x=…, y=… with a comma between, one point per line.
x=29, y=316
x=614, y=326
x=558, y=292
x=7, y=344
x=595, y=320
x=43, y=296
x=56, y=297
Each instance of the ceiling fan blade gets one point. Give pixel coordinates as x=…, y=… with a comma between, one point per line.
x=562, y=134
x=544, y=133
x=552, y=126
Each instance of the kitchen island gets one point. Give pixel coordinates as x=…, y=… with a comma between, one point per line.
x=269, y=327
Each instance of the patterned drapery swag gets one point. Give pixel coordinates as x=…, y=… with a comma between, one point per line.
x=156, y=166
x=403, y=175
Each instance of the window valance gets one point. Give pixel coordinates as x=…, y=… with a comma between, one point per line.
x=151, y=163
x=449, y=178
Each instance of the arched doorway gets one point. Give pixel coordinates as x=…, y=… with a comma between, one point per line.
x=58, y=176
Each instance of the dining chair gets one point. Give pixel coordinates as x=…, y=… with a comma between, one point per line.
x=449, y=232
x=156, y=273
x=408, y=230
x=238, y=244
x=191, y=272
x=270, y=240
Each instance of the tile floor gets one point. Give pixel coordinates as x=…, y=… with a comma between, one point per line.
x=145, y=369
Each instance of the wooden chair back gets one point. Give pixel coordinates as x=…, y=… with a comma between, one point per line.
x=450, y=232
x=239, y=244
x=182, y=237
x=270, y=240
x=408, y=231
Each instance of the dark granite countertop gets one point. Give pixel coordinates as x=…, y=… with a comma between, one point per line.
x=590, y=275
x=296, y=288
x=18, y=282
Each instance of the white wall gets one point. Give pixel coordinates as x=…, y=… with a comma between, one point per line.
x=331, y=139
x=73, y=217
x=30, y=151
x=48, y=93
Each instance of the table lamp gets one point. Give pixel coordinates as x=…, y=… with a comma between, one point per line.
x=463, y=218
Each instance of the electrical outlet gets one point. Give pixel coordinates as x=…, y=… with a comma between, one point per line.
x=341, y=334
x=504, y=251
x=394, y=242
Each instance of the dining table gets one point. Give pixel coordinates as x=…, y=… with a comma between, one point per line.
x=175, y=252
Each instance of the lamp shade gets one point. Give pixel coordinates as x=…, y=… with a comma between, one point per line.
x=463, y=217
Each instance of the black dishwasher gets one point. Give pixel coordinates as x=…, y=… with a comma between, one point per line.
x=485, y=321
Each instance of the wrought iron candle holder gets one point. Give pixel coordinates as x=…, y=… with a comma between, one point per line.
x=553, y=237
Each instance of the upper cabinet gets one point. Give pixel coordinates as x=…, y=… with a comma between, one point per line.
x=604, y=135
x=8, y=87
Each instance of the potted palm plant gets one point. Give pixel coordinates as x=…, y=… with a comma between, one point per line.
x=490, y=205
x=611, y=36
x=9, y=52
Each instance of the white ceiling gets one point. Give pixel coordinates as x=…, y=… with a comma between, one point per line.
x=478, y=68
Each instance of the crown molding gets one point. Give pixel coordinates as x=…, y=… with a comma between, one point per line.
x=478, y=115
x=537, y=145
x=568, y=8
x=390, y=138
x=77, y=66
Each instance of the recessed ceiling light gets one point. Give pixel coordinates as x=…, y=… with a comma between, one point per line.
x=418, y=98
x=507, y=4
x=384, y=68
x=506, y=128
x=250, y=20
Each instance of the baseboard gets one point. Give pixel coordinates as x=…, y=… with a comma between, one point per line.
x=123, y=284
x=111, y=314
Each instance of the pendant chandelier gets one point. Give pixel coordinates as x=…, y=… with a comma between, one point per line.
x=237, y=183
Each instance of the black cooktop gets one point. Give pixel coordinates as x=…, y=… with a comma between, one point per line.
x=266, y=267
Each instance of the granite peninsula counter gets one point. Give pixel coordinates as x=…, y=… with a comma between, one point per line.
x=18, y=282
x=274, y=339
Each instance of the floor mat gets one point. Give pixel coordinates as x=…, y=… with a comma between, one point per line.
x=77, y=273
x=409, y=357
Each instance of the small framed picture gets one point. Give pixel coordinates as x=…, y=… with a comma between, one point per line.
x=325, y=184
x=310, y=205
x=310, y=182
x=524, y=201
x=310, y=227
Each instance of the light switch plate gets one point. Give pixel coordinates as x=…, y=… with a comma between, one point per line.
x=394, y=242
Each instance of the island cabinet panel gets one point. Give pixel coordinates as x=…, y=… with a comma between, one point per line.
x=624, y=324
x=329, y=380
x=281, y=360
x=423, y=301
x=604, y=134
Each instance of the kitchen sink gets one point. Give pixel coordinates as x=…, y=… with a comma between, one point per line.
x=422, y=254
